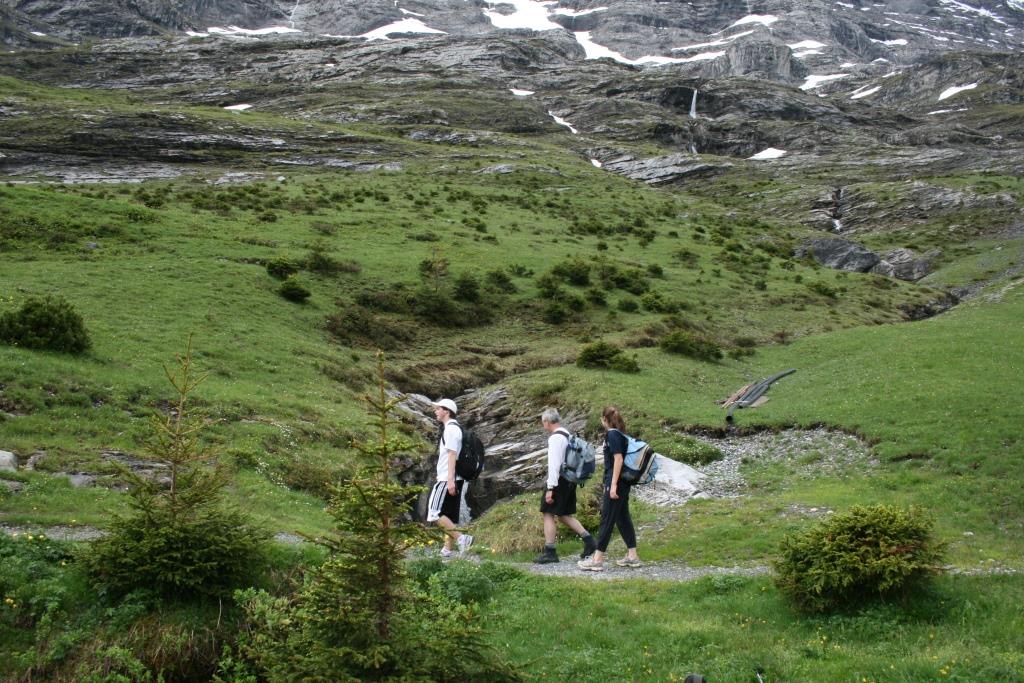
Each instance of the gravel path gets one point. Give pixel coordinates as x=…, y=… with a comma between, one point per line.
x=660, y=571
x=91, y=533
x=657, y=571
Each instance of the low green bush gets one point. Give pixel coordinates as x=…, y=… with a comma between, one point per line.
x=575, y=271
x=601, y=354
x=281, y=268
x=628, y=305
x=687, y=344
x=293, y=290
x=865, y=553
x=462, y=582
x=555, y=313
x=49, y=324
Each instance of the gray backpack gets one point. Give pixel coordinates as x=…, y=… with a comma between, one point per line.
x=580, y=459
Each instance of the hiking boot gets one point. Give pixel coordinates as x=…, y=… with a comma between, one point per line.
x=588, y=547
x=549, y=556
x=464, y=541
x=588, y=565
x=445, y=552
x=627, y=562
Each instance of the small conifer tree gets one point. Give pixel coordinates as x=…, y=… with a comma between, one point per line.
x=179, y=538
x=359, y=617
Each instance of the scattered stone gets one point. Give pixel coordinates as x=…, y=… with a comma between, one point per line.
x=92, y=245
x=816, y=452
x=34, y=460
x=8, y=461
x=12, y=486
x=78, y=480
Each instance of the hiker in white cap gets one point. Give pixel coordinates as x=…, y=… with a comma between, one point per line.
x=446, y=496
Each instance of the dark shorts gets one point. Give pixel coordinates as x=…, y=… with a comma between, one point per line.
x=565, y=499
x=442, y=504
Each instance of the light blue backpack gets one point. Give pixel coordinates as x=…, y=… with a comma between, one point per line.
x=640, y=464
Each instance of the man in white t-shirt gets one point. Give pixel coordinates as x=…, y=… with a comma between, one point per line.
x=558, y=501
x=446, y=495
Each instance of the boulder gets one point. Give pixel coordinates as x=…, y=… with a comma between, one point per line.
x=12, y=486
x=840, y=254
x=904, y=264
x=8, y=462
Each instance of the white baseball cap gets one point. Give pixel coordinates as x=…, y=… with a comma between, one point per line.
x=446, y=403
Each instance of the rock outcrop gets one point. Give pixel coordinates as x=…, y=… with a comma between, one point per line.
x=905, y=264
x=840, y=254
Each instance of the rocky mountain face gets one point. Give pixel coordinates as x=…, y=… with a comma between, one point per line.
x=780, y=39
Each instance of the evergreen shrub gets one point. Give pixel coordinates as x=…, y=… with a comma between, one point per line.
x=293, y=290
x=359, y=616
x=575, y=271
x=601, y=354
x=869, y=552
x=281, y=268
x=49, y=324
x=687, y=344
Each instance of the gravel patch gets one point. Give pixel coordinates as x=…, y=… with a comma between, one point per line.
x=88, y=533
x=815, y=452
x=56, y=533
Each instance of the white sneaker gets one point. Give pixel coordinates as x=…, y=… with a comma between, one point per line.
x=447, y=553
x=465, y=540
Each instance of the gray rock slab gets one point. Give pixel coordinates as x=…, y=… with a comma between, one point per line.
x=840, y=254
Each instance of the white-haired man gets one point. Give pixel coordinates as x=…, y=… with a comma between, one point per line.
x=558, y=502
x=446, y=495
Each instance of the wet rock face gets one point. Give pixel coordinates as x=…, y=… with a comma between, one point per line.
x=515, y=442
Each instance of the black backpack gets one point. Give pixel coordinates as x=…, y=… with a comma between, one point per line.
x=470, y=462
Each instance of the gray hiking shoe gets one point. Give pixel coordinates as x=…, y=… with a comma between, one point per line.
x=588, y=565
x=627, y=562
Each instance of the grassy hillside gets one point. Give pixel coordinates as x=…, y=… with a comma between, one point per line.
x=496, y=261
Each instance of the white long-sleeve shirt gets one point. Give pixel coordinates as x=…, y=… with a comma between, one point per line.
x=557, y=443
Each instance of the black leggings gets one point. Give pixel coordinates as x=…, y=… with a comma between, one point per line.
x=615, y=512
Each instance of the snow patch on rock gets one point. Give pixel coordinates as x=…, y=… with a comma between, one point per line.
x=858, y=94
x=527, y=14
x=770, y=153
x=763, y=19
x=815, y=81
x=956, y=89
x=403, y=26
x=595, y=51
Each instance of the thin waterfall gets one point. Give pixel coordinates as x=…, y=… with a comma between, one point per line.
x=291, y=17
x=693, y=105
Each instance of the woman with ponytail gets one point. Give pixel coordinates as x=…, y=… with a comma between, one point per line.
x=615, y=503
